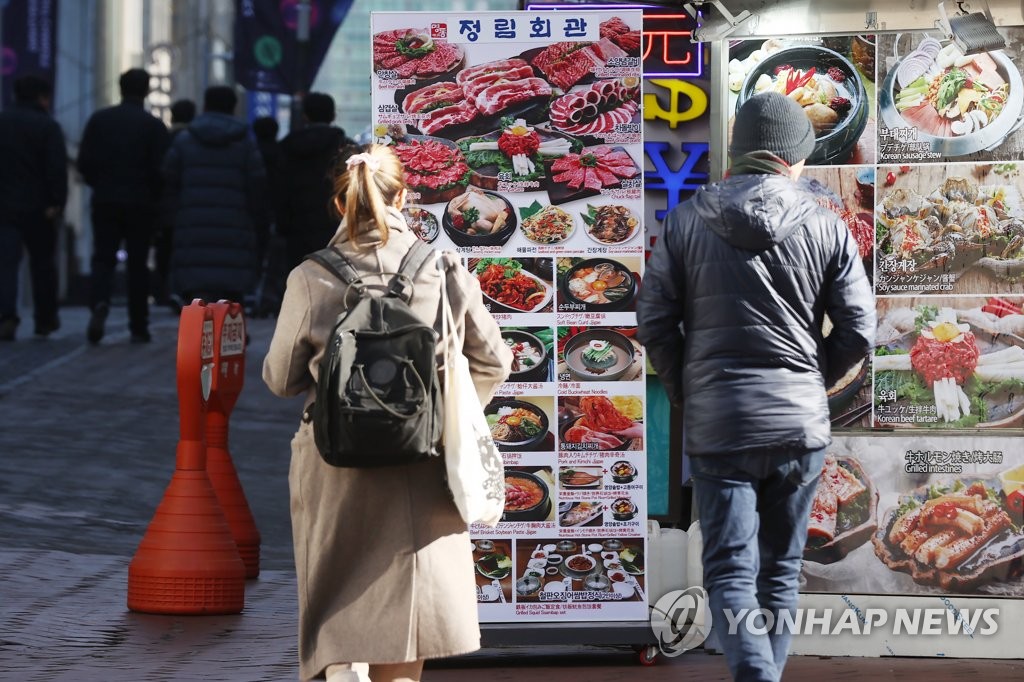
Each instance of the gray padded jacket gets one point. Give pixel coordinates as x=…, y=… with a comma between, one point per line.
x=731, y=313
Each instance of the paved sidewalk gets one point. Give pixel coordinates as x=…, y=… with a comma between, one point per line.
x=87, y=438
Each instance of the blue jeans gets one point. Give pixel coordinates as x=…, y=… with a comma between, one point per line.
x=754, y=512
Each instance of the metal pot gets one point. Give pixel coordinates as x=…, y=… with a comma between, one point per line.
x=988, y=138
x=836, y=145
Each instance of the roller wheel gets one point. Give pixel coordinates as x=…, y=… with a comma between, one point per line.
x=648, y=655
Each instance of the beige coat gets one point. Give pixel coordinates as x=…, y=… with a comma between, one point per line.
x=383, y=559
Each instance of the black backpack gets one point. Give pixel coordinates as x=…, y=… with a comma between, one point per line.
x=378, y=400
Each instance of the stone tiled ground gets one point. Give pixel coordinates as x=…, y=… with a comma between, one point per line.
x=87, y=438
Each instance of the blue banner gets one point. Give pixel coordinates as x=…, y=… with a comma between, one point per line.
x=29, y=41
x=267, y=54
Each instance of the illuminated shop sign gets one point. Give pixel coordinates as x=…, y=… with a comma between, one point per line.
x=668, y=52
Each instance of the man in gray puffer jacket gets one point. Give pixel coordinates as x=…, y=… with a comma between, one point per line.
x=731, y=313
x=216, y=180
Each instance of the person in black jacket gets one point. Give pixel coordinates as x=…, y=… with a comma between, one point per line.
x=119, y=157
x=216, y=178
x=183, y=112
x=731, y=312
x=33, y=191
x=304, y=217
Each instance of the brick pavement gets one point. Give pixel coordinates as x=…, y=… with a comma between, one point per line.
x=86, y=451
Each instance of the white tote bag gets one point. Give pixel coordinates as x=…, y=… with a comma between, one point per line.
x=476, y=472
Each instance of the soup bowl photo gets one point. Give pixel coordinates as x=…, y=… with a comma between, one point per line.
x=527, y=497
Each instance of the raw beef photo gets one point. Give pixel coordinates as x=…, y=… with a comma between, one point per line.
x=596, y=108
x=413, y=53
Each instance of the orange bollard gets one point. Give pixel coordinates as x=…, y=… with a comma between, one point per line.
x=229, y=358
x=187, y=562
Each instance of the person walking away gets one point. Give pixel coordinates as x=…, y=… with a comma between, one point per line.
x=731, y=312
x=183, y=112
x=265, y=130
x=412, y=595
x=215, y=177
x=33, y=191
x=119, y=158
x=307, y=157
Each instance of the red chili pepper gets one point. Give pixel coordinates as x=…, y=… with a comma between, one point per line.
x=798, y=79
x=890, y=179
x=904, y=169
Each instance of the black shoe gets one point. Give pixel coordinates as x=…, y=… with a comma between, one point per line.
x=47, y=328
x=8, y=328
x=94, y=332
x=141, y=337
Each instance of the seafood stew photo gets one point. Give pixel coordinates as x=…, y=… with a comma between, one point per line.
x=595, y=284
x=949, y=367
x=843, y=511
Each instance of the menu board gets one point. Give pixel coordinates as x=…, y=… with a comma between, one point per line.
x=520, y=133
x=923, y=487
x=932, y=514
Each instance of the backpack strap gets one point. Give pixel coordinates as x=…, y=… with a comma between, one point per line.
x=401, y=284
x=335, y=263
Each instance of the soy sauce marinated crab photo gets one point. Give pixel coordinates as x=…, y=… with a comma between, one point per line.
x=947, y=221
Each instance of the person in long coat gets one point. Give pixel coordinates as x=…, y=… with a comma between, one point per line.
x=383, y=558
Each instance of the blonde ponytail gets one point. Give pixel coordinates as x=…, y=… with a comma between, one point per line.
x=370, y=181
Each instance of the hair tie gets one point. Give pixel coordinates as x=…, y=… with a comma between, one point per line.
x=363, y=158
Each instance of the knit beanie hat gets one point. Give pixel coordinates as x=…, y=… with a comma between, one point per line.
x=774, y=123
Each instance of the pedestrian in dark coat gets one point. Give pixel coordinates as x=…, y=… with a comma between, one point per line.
x=33, y=191
x=308, y=154
x=731, y=312
x=119, y=157
x=182, y=114
x=215, y=177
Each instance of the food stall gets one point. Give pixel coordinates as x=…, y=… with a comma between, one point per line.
x=918, y=515
x=918, y=148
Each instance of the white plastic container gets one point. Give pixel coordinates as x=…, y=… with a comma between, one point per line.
x=695, y=548
x=666, y=560
x=675, y=572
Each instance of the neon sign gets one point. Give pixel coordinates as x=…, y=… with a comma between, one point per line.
x=668, y=52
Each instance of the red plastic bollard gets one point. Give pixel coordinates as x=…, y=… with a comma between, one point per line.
x=229, y=358
x=187, y=562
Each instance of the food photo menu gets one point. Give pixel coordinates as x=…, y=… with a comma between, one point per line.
x=917, y=154
x=520, y=133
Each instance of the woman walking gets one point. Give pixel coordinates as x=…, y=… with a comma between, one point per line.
x=382, y=556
